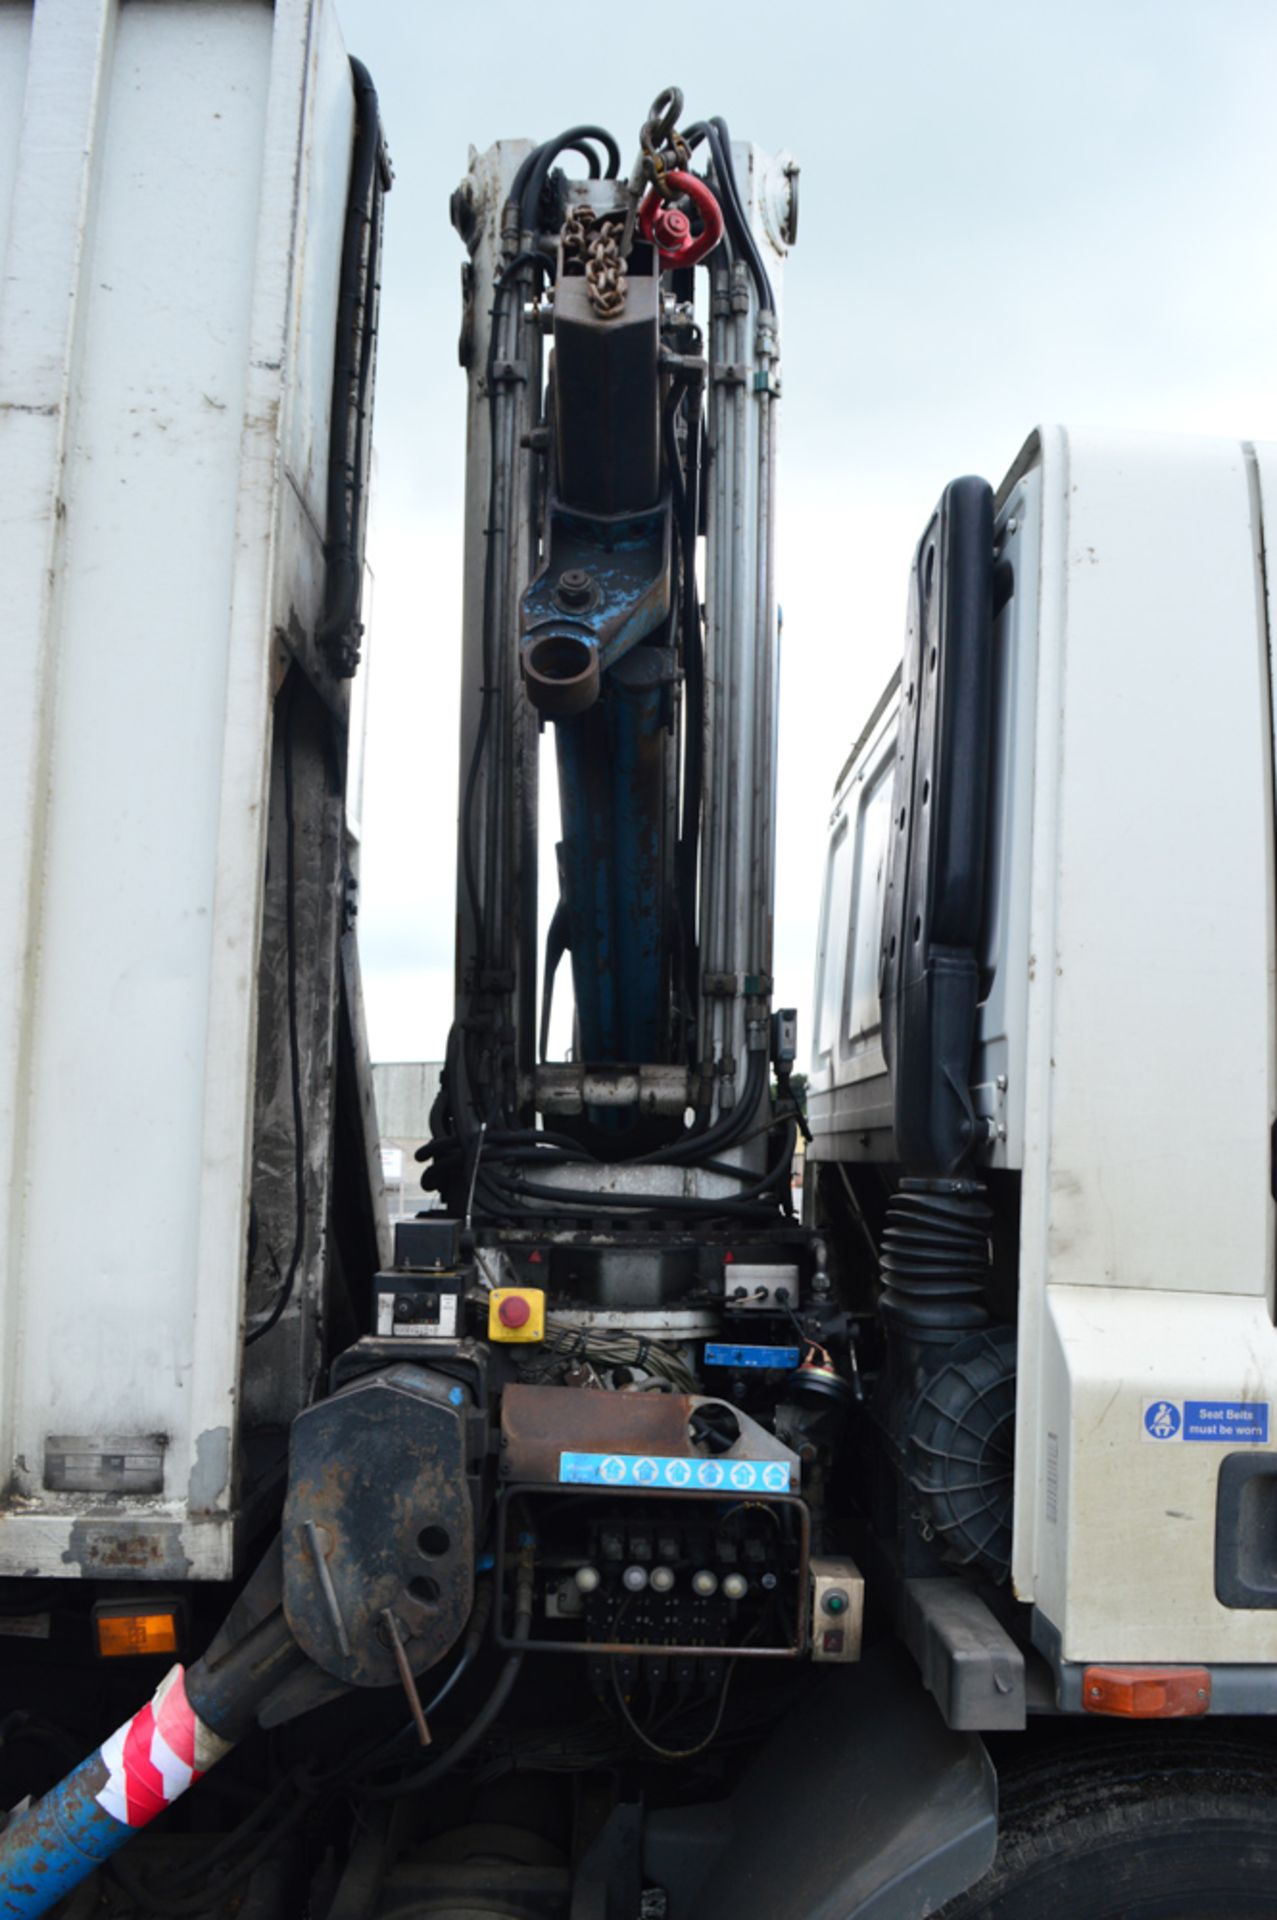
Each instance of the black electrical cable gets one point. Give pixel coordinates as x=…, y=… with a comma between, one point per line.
x=288, y=696
x=673, y=1753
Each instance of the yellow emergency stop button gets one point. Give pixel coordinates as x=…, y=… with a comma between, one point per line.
x=516, y=1313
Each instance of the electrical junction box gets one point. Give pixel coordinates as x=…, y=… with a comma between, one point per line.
x=417, y=1306
x=431, y=1243
x=837, y=1610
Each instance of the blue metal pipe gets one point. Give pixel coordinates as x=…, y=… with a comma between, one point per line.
x=56, y=1844
x=145, y=1766
x=642, y=882
x=617, y=869
x=585, y=812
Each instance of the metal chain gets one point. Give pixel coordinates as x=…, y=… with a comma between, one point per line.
x=597, y=243
x=662, y=148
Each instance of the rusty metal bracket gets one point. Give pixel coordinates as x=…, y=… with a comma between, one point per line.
x=380, y=1514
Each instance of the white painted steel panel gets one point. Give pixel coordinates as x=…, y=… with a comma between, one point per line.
x=1147, y=1215
x=165, y=371
x=1123, y=1528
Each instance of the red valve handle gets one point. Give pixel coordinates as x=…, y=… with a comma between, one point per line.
x=670, y=231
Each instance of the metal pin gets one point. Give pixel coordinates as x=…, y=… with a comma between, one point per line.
x=327, y=1588
x=406, y=1675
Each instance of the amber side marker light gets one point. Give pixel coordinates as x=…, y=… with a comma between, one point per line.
x=1147, y=1693
x=145, y=1627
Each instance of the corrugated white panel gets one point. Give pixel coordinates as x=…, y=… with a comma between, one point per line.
x=164, y=384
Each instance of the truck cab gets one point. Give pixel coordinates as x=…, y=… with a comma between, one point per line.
x=1068, y=806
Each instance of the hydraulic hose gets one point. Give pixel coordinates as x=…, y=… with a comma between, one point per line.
x=354, y=359
x=466, y=1742
x=740, y=234
x=684, y=490
x=529, y=181
x=725, y=1131
x=670, y=1203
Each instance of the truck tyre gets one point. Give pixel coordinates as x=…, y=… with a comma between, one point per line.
x=1183, y=1828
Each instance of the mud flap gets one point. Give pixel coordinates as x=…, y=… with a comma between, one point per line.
x=863, y=1806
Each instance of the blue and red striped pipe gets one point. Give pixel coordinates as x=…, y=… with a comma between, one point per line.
x=145, y=1766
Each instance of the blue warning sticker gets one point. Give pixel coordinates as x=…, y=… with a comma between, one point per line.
x=1225, y=1422
x=655, y=1470
x=722, y=1356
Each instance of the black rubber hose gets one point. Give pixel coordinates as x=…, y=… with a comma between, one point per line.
x=721, y=148
x=500, y=286
x=529, y=181
x=347, y=456
x=663, y=1203
x=372, y=1759
x=725, y=1131
x=487, y=1714
x=590, y=157
x=508, y=1137
x=684, y=491
x=740, y=234
x=499, y=1197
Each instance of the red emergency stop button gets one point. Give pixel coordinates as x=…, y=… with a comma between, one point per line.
x=516, y=1313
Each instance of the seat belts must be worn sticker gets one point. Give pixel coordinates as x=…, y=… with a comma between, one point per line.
x=1225, y=1422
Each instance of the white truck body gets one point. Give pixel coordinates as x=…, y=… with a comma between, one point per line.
x=166, y=368
x=1125, y=1055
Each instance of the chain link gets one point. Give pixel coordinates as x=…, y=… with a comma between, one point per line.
x=596, y=242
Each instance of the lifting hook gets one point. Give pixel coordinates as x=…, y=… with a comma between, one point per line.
x=668, y=228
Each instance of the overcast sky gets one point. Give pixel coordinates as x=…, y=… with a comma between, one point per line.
x=1009, y=215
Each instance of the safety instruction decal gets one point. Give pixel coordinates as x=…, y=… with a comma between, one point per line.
x=691, y=1476
x=1225, y=1422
